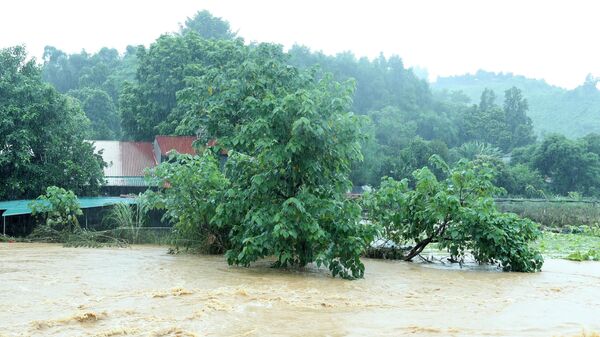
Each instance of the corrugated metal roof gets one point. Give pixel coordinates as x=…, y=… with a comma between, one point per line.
x=181, y=144
x=125, y=160
x=18, y=207
x=136, y=157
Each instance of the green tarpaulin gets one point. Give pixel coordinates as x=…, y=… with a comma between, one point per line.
x=17, y=207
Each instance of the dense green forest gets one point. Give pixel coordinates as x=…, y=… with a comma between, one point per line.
x=161, y=88
x=574, y=113
x=96, y=81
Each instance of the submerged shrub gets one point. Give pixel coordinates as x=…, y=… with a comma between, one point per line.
x=190, y=189
x=458, y=214
x=590, y=255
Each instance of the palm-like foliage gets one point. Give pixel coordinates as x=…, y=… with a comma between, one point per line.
x=128, y=217
x=476, y=150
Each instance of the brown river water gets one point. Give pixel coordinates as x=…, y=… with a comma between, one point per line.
x=48, y=290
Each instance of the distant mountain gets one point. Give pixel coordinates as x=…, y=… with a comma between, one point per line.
x=573, y=113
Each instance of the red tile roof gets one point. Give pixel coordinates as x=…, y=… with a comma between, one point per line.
x=181, y=144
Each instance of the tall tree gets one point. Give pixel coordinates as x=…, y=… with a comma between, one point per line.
x=99, y=108
x=148, y=106
x=41, y=134
x=95, y=80
x=574, y=112
x=506, y=128
x=208, y=26
x=519, y=124
x=488, y=99
x=291, y=141
x=568, y=164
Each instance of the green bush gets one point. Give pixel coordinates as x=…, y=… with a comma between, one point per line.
x=58, y=209
x=191, y=187
x=590, y=255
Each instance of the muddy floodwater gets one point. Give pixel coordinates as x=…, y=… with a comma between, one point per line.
x=48, y=290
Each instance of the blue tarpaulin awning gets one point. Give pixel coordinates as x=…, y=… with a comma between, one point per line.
x=19, y=207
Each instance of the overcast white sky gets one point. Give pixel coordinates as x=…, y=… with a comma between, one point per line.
x=558, y=41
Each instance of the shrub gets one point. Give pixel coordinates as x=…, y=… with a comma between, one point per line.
x=191, y=187
x=590, y=255
x=458, y=214
x=58, y=208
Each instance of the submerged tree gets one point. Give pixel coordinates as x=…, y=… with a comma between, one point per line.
x=291, y=142
x=458, y=214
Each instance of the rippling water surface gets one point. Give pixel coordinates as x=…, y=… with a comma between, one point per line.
x=48, y=290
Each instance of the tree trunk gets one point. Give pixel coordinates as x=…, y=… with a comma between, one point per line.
x=418, y=248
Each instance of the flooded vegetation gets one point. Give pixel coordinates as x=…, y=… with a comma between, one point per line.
x=199, y=179
x=51, y=290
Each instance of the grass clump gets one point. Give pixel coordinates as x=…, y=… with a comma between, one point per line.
x=590, y=255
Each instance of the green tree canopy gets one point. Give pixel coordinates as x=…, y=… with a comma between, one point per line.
x=291, y=142
x=41, y=134
x=568, y=164
x=519, y=124
x=83, y=70
x=415, y=155
x=552, y=109
x=99, y=108
x=505, y=128
x=149, y=106
x=458, y=214
x=208, y=26
x=94, y=79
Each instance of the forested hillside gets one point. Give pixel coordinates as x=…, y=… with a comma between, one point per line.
x=166, y=88
x=574, y=113
x=95, y=80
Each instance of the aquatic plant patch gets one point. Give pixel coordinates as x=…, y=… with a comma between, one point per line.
x=556, y=245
